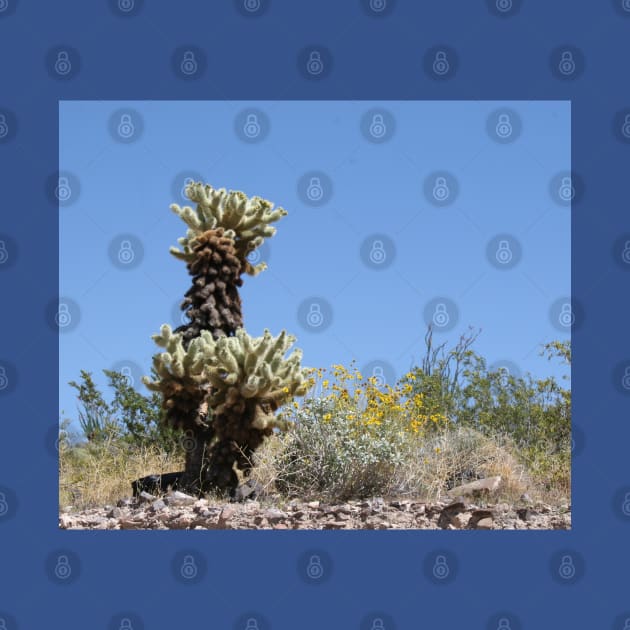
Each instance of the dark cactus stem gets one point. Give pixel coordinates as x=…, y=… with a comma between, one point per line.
x=236, y=443
x=212, y=303
x=194, y=480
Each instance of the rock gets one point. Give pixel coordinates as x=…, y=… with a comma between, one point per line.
x=525, y=498
x=156, y=483
x=485, y=523
x=66, y=521
x=490, y=484
x=249, y=490
x=525, y=514
x=481, y=515
x=280, y=526
x=158, y=505
x=226, y=514
x=179, y=498
x=459, y=521
x=181, y=511
x=449, y=512
x=273, y=515
x=335, y=525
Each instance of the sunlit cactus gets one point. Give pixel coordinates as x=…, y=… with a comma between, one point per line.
x=244, y=379
x=218, y=384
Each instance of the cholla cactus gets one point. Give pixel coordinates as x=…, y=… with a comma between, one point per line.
x=223, y=229
x=242, y=379
x=218, y=383
x=244, y=220
x=238, y=369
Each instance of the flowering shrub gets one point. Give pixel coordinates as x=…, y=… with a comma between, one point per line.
x=350, y=435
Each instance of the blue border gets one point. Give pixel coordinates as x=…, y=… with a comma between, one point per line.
x=507, y=50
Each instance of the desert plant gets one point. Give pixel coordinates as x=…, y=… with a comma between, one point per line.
x=217, y=383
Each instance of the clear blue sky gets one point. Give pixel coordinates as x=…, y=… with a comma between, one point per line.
x=414, y=201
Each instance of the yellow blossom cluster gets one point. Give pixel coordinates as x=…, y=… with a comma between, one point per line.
x=368, y=405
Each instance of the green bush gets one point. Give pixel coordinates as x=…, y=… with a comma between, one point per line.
x=130, y=417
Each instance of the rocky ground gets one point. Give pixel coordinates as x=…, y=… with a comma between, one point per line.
x=176, y=510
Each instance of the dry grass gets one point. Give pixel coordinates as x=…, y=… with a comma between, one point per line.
x=93, y=475
x=427, y=468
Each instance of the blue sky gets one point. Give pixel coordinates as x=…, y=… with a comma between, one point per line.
x=400, y=213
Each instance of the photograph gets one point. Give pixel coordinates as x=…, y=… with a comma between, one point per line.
x=315, y=315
